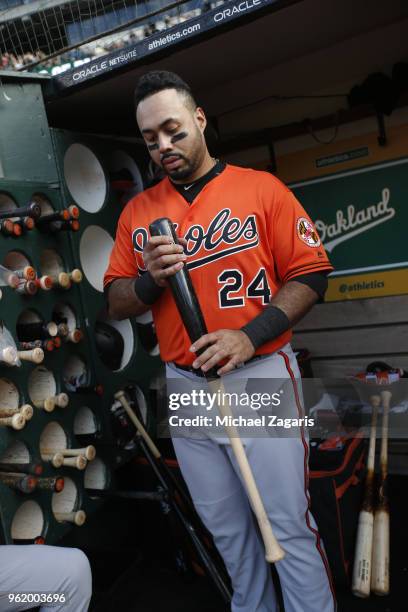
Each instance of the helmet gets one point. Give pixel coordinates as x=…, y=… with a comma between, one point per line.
x=109, y=344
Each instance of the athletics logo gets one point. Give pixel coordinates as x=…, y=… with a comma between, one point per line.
x=354, y=222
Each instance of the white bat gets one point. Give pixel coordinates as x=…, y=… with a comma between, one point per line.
x=58, y=460
x=17, y=421
x=35, y=355
x=78, y=517
x=88, y=452
x=361, y=580
x=380, y=575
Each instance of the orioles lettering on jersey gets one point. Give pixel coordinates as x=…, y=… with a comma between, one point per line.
x=225, y=233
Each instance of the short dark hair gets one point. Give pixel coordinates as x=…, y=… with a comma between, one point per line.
x=157, y=80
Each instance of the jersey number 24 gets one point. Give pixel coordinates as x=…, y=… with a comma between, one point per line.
x=233, y=280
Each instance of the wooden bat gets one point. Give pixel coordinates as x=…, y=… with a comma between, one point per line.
x=47, y=404
x=17, y=421
x=9, y=355
x=55, y=484
x=35, y=355
x=74, y=336
x=63, y=329
x=62, y=280
x=28, y=273
x=58, y=460
x=121, y=397
x=23, y=468
x=33, y=210
x=380, y=575
x=58, y=215
x=26, y=411
x=190, y=312
x=78, y=517
x=73, y=211
x=44, y=282
x=89, y=452
x=361, y=579
x=76, y=275
x=61, y=400
x=25, y=483
x=27, y=288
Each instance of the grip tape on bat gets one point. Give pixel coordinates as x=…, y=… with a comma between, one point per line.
x=183, y=291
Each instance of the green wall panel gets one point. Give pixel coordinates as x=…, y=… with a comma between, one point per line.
x=45, y=179
x=25, y=142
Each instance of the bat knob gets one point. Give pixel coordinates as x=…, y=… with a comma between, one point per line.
x=163, y=227
x=34, y=210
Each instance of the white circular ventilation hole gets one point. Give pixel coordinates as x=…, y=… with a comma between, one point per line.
x=28, y=521
x=122, y=161
x=94, y=251
x=85, y=177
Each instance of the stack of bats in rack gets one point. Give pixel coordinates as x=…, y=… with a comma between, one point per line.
x=372, y=553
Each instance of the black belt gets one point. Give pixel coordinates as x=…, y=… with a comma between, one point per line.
x=201, y=374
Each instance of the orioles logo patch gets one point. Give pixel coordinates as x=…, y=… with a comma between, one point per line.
x=307, y=232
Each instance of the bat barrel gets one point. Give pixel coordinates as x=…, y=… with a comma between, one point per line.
x=182, y=287
x=183, y=291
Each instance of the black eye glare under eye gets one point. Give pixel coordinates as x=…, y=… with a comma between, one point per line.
x=178, y=137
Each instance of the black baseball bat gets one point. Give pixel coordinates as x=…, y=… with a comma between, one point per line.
x=33, y=210
x=183, y=291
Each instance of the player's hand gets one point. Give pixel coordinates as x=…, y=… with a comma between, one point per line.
x=163, y=258
x=232, y=345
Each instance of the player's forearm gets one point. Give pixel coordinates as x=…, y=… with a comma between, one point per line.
x=287, y=307
x=123, y=301
x=295, y=300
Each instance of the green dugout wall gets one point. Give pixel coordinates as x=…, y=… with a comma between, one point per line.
x=58, y=170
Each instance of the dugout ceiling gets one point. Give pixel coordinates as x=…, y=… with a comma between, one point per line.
x=309, y=47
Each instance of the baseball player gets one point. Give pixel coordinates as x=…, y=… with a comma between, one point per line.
x=258, y=266
x=37, y=569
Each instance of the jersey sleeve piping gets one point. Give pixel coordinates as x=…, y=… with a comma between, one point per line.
x=305, y=269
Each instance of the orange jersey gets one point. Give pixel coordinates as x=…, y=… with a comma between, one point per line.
x=246, y=236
